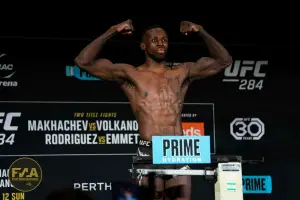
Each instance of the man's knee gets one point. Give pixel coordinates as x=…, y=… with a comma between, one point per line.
x=178, y=188
x=180, y=181
x=182, y=198
x=158, y=195
x=146, y=194
x=153, y=192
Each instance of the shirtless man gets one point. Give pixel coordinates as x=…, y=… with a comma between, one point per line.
x=156, y=92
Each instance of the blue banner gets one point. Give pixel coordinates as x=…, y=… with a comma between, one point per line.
x=76, y=72
x=257, y=185
x=181, y=149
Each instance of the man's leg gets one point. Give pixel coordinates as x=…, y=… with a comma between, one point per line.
x=178, y=188
x=145, y=150
x=159, y=187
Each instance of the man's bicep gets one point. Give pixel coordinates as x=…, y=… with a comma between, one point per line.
x=204, y=67
x=107, y=70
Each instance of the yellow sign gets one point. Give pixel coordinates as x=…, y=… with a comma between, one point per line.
x=25, y=174
x=101, y=139
x=13, y=196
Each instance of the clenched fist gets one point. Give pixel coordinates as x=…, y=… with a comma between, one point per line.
x=189, y=27
x=124, y=27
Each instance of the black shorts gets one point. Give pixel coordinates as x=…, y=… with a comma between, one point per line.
x=145, y=150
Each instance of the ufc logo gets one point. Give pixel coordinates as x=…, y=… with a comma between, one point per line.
x=7, y=119
x=240, y=68
x=144, y=143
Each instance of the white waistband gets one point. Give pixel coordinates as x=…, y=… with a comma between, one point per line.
x=139, y=153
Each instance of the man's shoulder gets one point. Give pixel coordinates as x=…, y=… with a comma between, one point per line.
x=173, y=64
x=179, y=67
x=140, y=68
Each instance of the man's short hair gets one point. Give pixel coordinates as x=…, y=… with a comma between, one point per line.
x=145, y=30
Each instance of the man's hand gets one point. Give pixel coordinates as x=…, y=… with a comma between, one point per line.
x=187, y=27
x=124, y=27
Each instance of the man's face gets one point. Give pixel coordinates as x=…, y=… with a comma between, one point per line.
x=156, y=43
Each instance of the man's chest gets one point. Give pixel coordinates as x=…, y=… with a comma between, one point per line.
x=153, y=85
x=157, y=82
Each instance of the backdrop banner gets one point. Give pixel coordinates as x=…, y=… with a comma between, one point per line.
x=95, y=174
x=83, y=133
x=85, y=127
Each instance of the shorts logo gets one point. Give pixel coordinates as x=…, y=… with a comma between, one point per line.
x=193, y=128
x=144, y=143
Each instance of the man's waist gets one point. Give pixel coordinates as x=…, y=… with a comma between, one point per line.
x=148, y=143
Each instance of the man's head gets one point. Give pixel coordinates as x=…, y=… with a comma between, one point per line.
x=155, y=42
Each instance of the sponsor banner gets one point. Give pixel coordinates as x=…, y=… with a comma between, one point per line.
x=247, y=75
x=7, y=71
x=257, y=184
x=25, y=174
x=247, y=128
x=84, y=127
x=181, y=149
x=75, y=72
x=95, y=175
x=91, y=174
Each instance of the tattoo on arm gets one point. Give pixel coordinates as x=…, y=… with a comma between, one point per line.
x=216, y=49
x=177, y=78
x=137, y=113
x=169, y=80
x=129, y=84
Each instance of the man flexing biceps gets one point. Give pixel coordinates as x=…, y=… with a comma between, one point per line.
x=155, y=91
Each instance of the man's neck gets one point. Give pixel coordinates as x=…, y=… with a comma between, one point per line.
x=154, y=65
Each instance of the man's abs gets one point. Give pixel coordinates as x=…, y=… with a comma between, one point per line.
x=159, y=118
x=149, y=130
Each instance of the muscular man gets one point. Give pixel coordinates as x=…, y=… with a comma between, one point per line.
x=156, y=92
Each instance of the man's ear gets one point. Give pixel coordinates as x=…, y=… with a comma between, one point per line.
x=143, y=46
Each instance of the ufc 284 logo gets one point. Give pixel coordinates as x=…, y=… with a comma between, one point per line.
x=247, y=128
x=8, y=128
x=248, y=73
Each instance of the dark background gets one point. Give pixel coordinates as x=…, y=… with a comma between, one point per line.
x=41, y=50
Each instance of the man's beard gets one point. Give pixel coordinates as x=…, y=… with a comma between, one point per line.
x=156, y=58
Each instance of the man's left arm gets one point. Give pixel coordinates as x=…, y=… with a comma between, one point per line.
x=206, y=66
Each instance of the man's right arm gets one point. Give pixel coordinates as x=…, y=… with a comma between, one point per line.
x=104, y=68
